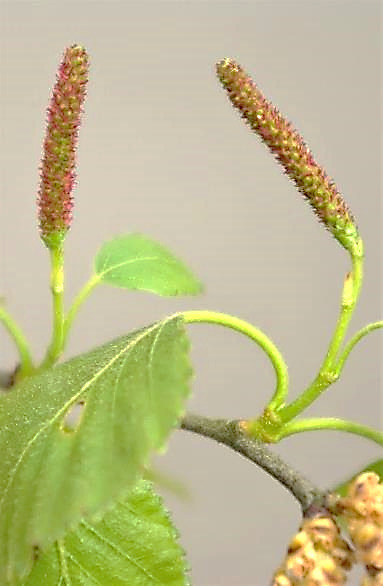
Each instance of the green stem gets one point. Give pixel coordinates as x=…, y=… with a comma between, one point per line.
x=26, y=363
x=78, y=301
x=351, y=292
x=57, y=289
x=354, y=340
x=254, y=334
x=331, y=423
x=328, y=373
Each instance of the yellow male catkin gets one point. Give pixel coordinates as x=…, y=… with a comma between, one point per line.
x=317, y=556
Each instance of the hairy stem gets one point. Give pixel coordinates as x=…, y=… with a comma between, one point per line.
x=328, y=373
x=351, y=291
x=254, y=334
x=229, y=433
x=57, y=289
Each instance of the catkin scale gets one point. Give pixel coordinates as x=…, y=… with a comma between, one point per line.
x=317, y=555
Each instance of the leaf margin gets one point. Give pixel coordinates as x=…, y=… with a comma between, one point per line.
x=17, y=570
x=184, y=282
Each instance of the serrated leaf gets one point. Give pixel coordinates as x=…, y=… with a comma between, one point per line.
x=134, y=544
x=131, y=393
x=376, y=466
x=136, y=262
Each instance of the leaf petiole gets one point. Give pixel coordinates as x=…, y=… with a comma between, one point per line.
x=330, y=423
x=354, y=340
x=26, y=363
x=81, y=296
x=234, y=323
x=135, y=262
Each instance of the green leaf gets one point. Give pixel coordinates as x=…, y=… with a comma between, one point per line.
x=134, y=544
x=54, y=471
x=376, y=466
x=136, y=262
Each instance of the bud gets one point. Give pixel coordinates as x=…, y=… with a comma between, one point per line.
x=58, y=163
x=317, y=555
x=292, y=153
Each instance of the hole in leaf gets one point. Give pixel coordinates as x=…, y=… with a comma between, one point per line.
x=35, y=552
x=73, y=416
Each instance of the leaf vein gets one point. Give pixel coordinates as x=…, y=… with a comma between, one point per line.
x=63, y=564
x=68, y=404
x=150, y=361
x=86, y=573
x=124, y=262
x=120, y=551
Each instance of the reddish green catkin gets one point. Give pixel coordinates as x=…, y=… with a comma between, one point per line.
x=57, y=170
x=290, y=150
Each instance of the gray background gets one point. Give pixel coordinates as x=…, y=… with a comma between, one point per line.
x=162, y=152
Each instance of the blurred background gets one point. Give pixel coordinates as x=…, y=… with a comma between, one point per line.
x=162, y=152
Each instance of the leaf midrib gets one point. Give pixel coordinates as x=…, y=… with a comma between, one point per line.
x=104, y=272
x=68, y=404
